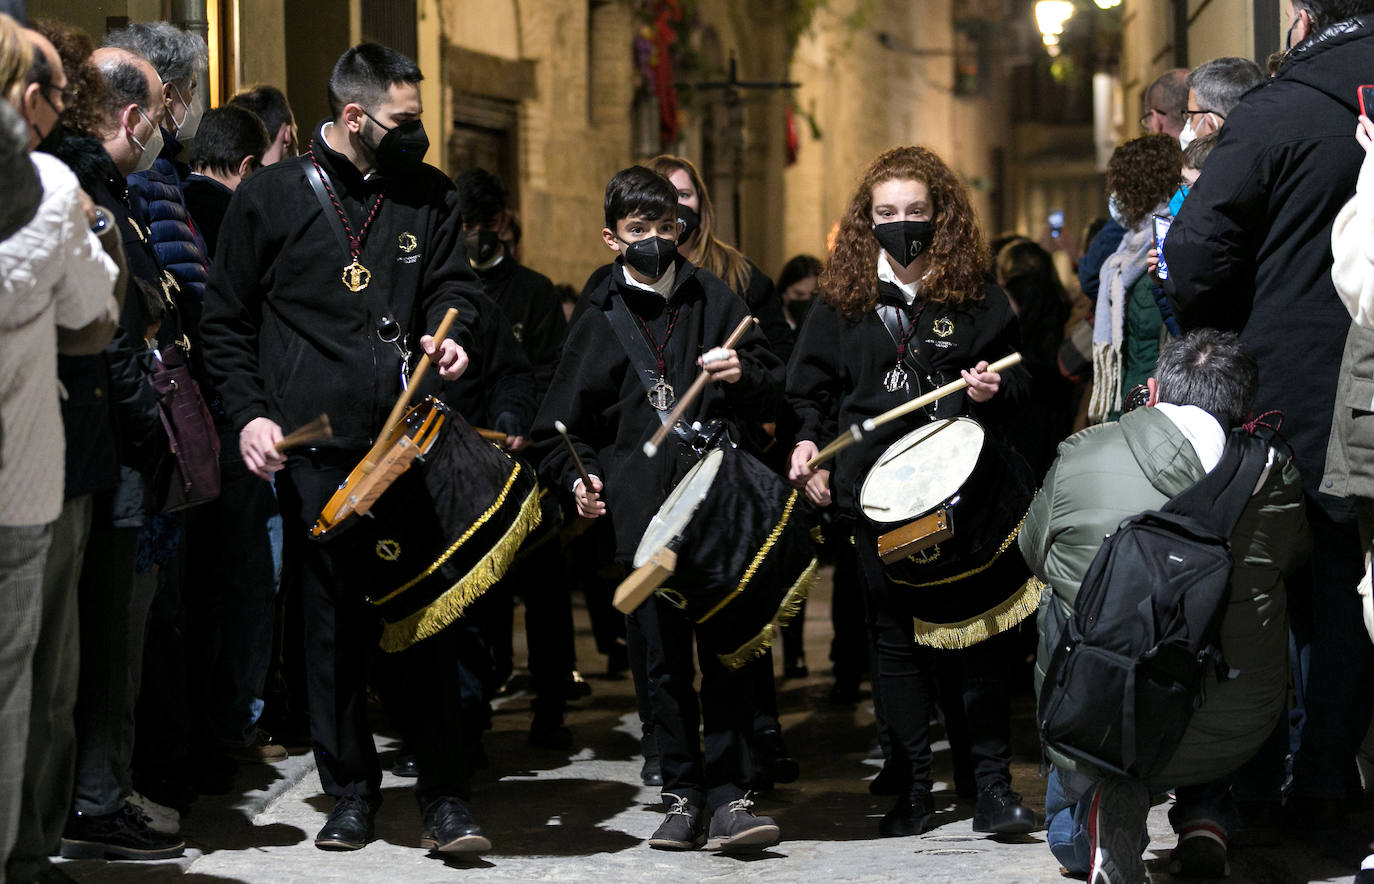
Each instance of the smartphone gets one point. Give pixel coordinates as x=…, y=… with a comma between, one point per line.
x=1056, y=219
x=1366, y=100
x=1162, y=223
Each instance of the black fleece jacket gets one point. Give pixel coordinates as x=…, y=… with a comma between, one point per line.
x=535, y=314
x=285, y=339
x=602, y=401
x=835, y=378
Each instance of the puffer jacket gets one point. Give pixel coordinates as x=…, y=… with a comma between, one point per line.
x=1113, y=471
x=156, y=195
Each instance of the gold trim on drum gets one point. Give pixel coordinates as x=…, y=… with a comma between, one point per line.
x=966, y=633
x=758, y=559
x=450, y=605
x=791, y=605
x=1006, y=545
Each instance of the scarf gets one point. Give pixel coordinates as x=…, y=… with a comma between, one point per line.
x=1122, y=269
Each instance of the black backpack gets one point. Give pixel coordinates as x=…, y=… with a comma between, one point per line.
x=1129, y=666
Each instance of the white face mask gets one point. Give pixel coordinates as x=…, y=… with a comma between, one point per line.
x=152, y=150
x=195, y=109
x=1186, y=137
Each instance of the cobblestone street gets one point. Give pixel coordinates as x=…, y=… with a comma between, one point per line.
x=582, y=815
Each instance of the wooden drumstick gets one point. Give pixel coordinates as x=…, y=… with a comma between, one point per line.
x=686, y=400
x=403, y=401
x=315, y=431
x=562, y=429
x=855, y=433
x=490, y=435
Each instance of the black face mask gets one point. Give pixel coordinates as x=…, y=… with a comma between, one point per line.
x=905, y=241
x=48, y=143
x=651, y=256
x=690, y=221
x=402, y=149
x=481, y=245
x=797, y=310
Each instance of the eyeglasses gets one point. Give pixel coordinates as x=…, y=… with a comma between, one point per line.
x=1197, y=113
x=66, y=93
x=1149, y=115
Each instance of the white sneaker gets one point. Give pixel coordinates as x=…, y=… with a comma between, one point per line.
x=159, y=817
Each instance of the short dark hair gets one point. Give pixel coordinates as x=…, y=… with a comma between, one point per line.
x=40, y=71
x=363, y=74
x=1209, y=369
x=127, y=85
x=639, y=191
x=481, y=196
x=1328, y=12
x=797, y=268
x=227, y=135
x=269, y=103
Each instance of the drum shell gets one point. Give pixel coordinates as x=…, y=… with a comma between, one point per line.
x=745, y=559
x=443, y=533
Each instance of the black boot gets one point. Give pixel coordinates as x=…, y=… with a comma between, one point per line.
x=910, y=815
x=1000, y=812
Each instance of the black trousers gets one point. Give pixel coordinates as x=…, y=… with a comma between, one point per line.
x=537, y=578
x=905, y=681
x=726, y=709
x=420, y=684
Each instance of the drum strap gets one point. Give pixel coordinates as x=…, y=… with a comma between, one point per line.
x=388, y=330
x=643, y=360
x=892, y=321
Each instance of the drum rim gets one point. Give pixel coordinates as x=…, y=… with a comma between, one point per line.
x=906, y=440
x=710, y=463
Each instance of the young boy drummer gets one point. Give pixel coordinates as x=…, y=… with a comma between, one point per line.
x=639, y=342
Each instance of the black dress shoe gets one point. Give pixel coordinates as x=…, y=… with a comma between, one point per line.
x=450, y=829
x=350, y=825
x=651, y=773
x=910, y=815
x=889, y=781
x=577, y=687
x=999, y=811
x=123, y=834
x=778, y=764
x=405, y=765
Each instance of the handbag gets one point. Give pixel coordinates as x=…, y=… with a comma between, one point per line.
x=188, y=474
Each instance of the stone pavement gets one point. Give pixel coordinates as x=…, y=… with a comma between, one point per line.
x=583, y=816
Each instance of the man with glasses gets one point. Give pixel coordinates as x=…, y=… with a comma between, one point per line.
x=1214, y=88
x=1164, y=103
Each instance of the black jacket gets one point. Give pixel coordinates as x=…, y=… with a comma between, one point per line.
x=535, y=314
x=1250, y=250
x=604, y=404
x=206, y=202
x=835, y=378
x=497, y=390
x=110, y=414
x=285, y=339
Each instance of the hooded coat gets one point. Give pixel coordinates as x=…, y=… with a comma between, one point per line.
x=1250, y=250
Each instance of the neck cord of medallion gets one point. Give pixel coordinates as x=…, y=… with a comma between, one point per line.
x=355, y=276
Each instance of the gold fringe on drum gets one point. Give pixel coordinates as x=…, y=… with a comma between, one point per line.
x=791, y=605
x=451, y=604
x=951, y=636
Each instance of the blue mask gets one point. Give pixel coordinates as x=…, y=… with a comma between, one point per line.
x=1176, y=201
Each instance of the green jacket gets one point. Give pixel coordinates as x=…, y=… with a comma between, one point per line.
x=1113, y=471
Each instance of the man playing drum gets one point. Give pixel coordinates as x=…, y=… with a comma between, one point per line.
x=907, y=309
x=328, y=266
x=638, y=344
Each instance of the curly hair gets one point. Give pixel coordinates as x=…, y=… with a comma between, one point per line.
x=1143, y=173
x=957, y=257
x=74, y=46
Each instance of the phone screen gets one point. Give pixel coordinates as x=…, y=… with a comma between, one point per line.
x=1056, y=220
x=1162, y=223
x=1366, y=100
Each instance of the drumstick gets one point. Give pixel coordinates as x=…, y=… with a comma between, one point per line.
x=855, y=434
x=315, y=431
x=651, y=447
x=562, y=429
x=403, y=401
x=490, y=435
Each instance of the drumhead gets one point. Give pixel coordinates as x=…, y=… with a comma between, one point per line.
x=677, y=511
x=921, y=470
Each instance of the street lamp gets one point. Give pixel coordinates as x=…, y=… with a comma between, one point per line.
x=1050, y=16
